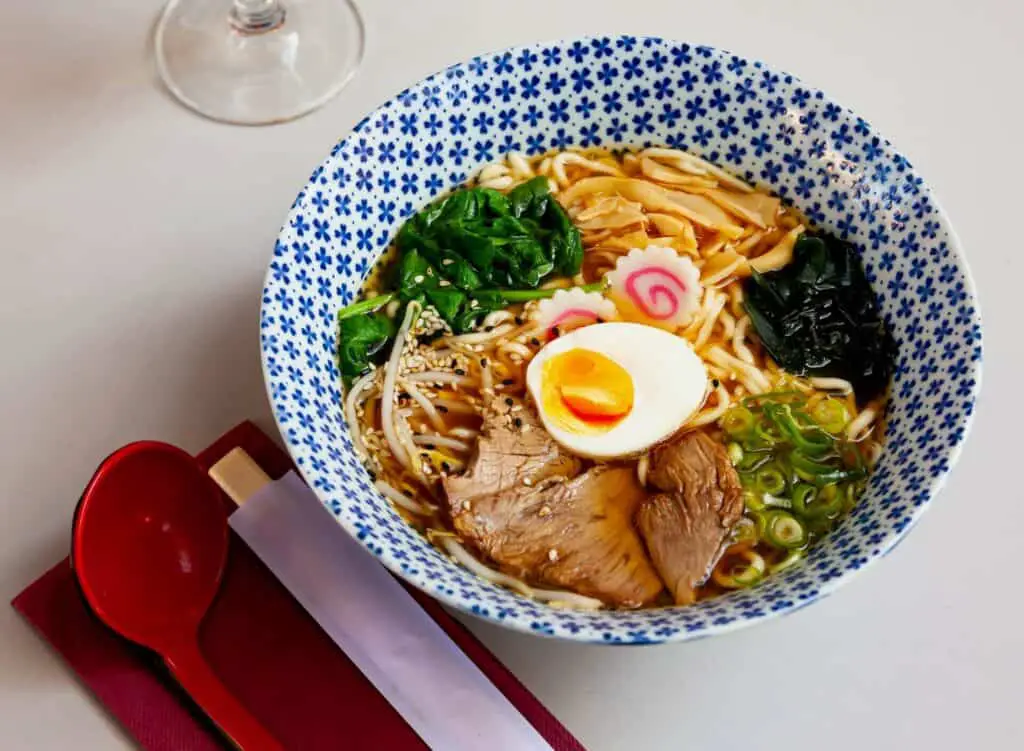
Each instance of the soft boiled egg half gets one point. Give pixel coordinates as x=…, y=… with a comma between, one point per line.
x=615, y=389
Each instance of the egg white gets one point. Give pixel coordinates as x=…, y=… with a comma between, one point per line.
x=669, y=385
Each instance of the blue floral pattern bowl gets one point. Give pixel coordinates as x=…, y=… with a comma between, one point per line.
x=625, y=91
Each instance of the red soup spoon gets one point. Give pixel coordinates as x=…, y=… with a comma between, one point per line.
x=149, y=546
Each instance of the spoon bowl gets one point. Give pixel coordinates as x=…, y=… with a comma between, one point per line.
x=149, y=545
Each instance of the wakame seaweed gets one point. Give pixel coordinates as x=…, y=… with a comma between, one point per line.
x=819, y=316
x=460, y=254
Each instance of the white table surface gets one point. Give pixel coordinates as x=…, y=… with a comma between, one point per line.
x=135, y=239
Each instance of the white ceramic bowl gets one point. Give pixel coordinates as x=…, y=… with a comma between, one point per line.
x=759, y=123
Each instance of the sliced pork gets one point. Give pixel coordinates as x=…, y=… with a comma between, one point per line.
x=513, y=449
x=687, y=525
x=574, y=534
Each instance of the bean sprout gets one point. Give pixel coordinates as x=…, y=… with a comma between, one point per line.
x=440, y=440
x=552, y=596
x=388, y=418
x=836, y=385
x=352, y=401
x=401, y=499
x=858, y=427
x=428, y=409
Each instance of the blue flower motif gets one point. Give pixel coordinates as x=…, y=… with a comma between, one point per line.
x=712, y=72
x=581, y=80
x=529, y=87
x=527, y=59
x=558, y=111
x=577, y=52
x=669, y=115
x=586, y=106
x=719, y=100
x=555, y=82
x=615, y=130
x=612, y=101
x=695, y=108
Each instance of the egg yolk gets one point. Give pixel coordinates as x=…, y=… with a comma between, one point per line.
x=585, y=391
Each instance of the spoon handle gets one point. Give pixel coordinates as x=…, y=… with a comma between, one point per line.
x=194, y=674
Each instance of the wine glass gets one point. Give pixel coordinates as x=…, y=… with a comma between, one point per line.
x=255, y=62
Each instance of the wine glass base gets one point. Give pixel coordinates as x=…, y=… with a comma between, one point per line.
x=257, y=77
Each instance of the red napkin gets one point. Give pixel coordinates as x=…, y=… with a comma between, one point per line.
x=264, y=646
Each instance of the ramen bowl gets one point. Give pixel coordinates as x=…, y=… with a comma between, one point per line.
x=763, y=125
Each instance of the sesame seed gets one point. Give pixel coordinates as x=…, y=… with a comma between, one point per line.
x=460, y=372
x=508, y=381
x=518, y=422
x=527, y=482
x=442, y=409
x=446, y=466
x=535, y=342
x=488, y=328
x=483, y=362
x=544, y=511
x=429, y=446
x=715, y=383
x=552, y=555
x=509, y=401
x=419, y=278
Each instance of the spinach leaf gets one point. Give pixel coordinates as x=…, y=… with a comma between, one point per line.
x=454, y=248
x=533, y=202
x=360, y=340
x=819, y=316
x=479, y=237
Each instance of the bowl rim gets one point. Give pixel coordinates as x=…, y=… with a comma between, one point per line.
x=893, y=538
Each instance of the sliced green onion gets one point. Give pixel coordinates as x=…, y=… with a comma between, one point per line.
x=753, y=501
x=791, y=557
x=753, y=460
x=366, y=306
x=739, y=570
x=853, y=492
x=737, y=422
x=744, y=532
x=787, y=397
x=776, y=501
x=822, y=474
x=819, y=525
x=783, y=530
x=770, y=479
x=811, y=441
x=813, y=503
x=735, y=452
x=767, y=431
x=831, y=415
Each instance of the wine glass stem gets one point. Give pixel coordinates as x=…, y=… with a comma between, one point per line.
x=256, y=16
